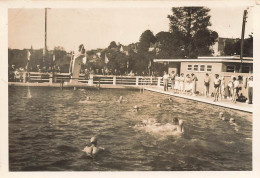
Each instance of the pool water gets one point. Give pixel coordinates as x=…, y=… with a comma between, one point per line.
x=48, y=130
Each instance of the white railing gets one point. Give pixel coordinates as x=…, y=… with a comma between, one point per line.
x=92, y=79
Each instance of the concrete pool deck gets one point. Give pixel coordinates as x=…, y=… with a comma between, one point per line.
x=222, y=103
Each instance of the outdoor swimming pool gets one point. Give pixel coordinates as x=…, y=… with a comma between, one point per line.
x=48, y=131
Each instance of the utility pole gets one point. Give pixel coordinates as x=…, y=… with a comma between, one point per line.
x=45, y=40
x=242, y=40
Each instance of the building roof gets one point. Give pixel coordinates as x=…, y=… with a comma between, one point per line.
x=235, y=59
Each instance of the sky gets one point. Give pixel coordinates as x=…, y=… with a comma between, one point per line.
x=97, y=27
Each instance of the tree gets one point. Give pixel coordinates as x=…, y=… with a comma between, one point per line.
x=248, y=46
x=229, y=48
x=61, y=58
x=192, y=24
x=146, y=39
x=234, y=47
x=117, y=61
x=112, y=45
x=169, y=45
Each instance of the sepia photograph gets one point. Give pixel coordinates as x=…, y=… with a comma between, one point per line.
x=130, y=88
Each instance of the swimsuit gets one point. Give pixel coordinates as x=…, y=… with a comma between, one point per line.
x=216, y=85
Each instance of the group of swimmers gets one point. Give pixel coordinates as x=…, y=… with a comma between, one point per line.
x=232, y=121
x=176, y=125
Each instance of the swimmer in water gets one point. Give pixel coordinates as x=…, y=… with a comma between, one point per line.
x=180, y=127
x=175, y=121
x=93, y=150
x=121, y=99
x=232, y=122
x=159, y=105
x=170, y=100
x=151, y=126
x=86, y=101
x=221, y=116
x=224, y=119
x=136, y=108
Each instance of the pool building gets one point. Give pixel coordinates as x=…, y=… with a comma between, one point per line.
x=225, y=66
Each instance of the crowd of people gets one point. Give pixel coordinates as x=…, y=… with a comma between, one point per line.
x=16, y=74
x=181, y=84
x=187, y=84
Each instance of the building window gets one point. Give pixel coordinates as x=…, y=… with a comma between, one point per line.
x=209, y=68
x=245, y=69
x=230, y=69
x=196, y=67
x=202, y=68
x=189, y=68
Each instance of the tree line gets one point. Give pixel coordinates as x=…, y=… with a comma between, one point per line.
x=189, y=36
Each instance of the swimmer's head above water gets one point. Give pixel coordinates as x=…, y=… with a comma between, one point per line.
x=159, y=105
x=180, y=127
x=232, y=120
x=224, y=119
x=175, y=121
x=93, y=149
x=221, y=115
x=181, y=122
x=136, y=108
x=93, y=141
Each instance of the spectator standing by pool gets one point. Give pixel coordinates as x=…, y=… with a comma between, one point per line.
x=187, y=84
x=12, y=74
x=165, y=81
x=173, y=75
x=181, y=83
x=177, y=84
x=230, y=89
x=217, y=83
x=250, y=90
x=194, y=80
x=222, y=88
x=207, y=83
x=235, y=89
